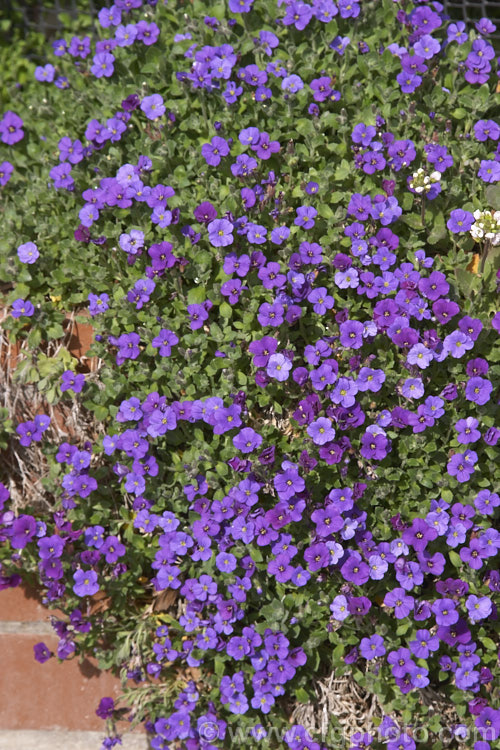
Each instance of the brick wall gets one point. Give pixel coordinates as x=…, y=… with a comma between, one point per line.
x=52, y=703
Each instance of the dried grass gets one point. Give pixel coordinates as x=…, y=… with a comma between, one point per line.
x=23, y=469
x=354, y=708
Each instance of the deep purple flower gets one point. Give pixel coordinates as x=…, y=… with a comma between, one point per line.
x=106, y=708
x=42, y=652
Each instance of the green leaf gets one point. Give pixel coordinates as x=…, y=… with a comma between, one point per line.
x=489, y=644
x=413, y=221
x=302, y=695
x=225, y=310
x=455, y=559
x=197, y=295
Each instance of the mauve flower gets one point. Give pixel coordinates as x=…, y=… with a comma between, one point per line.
x=278, y=367
x=85, y=582
x=247, y=440
x=153, y=106
x=28, y=253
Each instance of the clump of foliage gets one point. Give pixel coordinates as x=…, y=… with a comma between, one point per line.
x=282, y=222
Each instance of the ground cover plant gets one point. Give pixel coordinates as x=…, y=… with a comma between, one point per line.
x=282, y=221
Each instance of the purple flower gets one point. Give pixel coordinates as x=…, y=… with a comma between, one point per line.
x=408, y=82
x=6, y=170
x=374, y=446
x=59, y=47
x=467, y=430
x=28, y=253
x=106, y=705
x=42, y=652
x=153, y=106
x=11, y=128
x=339, y=608
x=271, y=314
x=262, y=350
x=22, y=307
x=317, y=556
x=456, y=32
x=355, y=570
x=478, y=608
x=419, y=535
x=351, y=334
x=489, y=171
x=419, y=679
x=61, y=174
x=305, y=217
x=215, y=150
x=225, y=562
x=321, y=431
x=321, y=300
x=420, y=355
x=401, y=601
x=45, y=73
x=278, y=367
x=486, y=502
x=424, y=644
x=372, y=647
x=85, y=582
x=363, y=134
x=461, y=465
x=339, y=44
x=444, y=611
x=103, y=65
x=220, y=233
x=79, y=47
x=22, y=531
x=478, y=390
x=426, y=47
x=70, y=381
x=131, y=102
x=98, y=303
x=198, y=314
x=247, y=440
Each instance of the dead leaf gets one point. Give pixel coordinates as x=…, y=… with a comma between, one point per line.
x=473, y=266
x=164, y=600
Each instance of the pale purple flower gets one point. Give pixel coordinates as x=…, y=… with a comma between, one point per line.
x=321, y=431
x=278, y=367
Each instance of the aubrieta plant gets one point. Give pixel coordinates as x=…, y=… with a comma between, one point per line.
x=283, y=224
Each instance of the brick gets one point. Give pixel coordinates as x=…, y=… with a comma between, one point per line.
x=23, y=604
x=50, y=696
x=57, y=740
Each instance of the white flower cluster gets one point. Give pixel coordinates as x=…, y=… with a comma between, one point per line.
x=486, y=226
x=421, y=182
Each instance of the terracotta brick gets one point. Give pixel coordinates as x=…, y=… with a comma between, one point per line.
x=53, y=695
x=23, y=604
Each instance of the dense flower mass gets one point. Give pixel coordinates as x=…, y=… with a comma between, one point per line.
x=287, y=246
